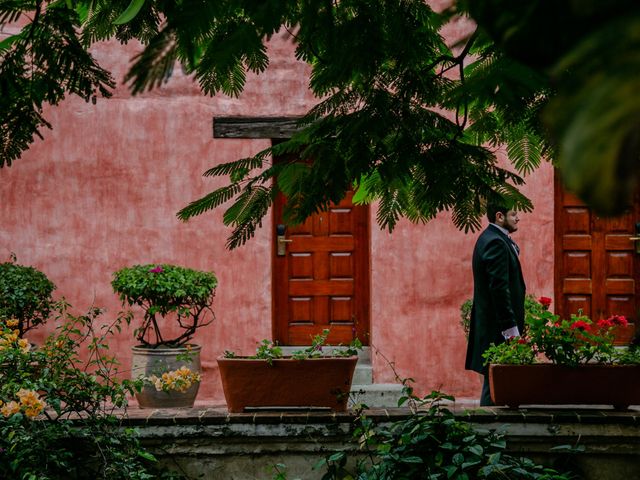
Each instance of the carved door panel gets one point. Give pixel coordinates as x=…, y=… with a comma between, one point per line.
x=595, y=260
x=322, y=279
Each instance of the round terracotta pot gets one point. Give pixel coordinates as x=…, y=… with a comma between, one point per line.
x=156, y=361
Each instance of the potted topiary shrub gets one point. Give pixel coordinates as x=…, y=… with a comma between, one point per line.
x=175, y=303
x=560, y=361
x=314, y=377
x=25, y=297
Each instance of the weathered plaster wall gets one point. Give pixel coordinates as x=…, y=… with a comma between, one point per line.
x=101, y=192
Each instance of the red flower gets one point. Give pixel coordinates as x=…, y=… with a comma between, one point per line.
x=522, y=341
x=619, y=320
x=544, y=301
x=581, y=325
x=608, y=323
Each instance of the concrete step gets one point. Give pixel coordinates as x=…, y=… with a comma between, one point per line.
x=376, y=395
x=363, y=375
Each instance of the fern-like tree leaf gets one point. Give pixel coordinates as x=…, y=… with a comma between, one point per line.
x=209, y=201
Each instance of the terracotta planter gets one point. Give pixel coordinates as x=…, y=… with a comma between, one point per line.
x=150, y=361
x=315, y=382
x=548, y=384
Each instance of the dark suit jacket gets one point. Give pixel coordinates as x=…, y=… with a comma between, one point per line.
x=498, y=295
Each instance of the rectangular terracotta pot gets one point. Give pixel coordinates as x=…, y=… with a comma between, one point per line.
x=548, y=384
x=314, y=382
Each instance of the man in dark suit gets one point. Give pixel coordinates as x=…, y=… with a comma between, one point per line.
x=498, y=291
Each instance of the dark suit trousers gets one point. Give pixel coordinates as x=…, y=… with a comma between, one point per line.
x=485, y=396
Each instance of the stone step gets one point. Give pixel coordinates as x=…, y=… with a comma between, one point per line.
x=376, y=395
x=363, y=375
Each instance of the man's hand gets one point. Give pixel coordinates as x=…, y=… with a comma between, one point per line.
x=510, y=333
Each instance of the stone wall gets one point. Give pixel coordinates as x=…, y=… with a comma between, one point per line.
x=215, y=445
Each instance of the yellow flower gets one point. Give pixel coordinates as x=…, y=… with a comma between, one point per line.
x=28, y=397
x=180, y=380
x=10, y=408
x=30, y=402
x=24, y=345
x=33, y=411
x=12, y=322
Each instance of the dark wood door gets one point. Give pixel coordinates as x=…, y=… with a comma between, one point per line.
x=596, y=262
x=322, y=280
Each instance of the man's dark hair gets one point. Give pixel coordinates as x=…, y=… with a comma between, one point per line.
x=493, y=209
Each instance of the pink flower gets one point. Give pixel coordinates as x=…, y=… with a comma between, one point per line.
x=544, y=301
x=157, y=269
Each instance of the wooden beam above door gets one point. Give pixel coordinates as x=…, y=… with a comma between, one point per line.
x=255, y=127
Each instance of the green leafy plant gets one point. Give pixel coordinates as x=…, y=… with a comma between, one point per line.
x=465, y=316
x=515, y=351
x=571, y=342
x=57, y=406
x=166, y=292
x=268, y=350
x=279, y=471
x=431, y=443
x=628, y=356
x=25, y=296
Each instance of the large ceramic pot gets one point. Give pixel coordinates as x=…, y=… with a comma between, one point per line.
x=148, y=362
x=548, y=384
x=287, y=382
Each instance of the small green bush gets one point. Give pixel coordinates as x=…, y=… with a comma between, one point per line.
x=164, y=291
x=25, y=295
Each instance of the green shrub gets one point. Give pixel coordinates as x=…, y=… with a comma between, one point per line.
x=164, y=291
x=430, y=444
x=25, y=295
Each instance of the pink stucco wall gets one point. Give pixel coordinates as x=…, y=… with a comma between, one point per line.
x=101, y=192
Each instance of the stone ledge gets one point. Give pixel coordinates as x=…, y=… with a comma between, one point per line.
x=209, y=441
x=218, y=415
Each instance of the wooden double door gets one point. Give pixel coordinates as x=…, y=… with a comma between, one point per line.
x=321, y=275
x=596, y=263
